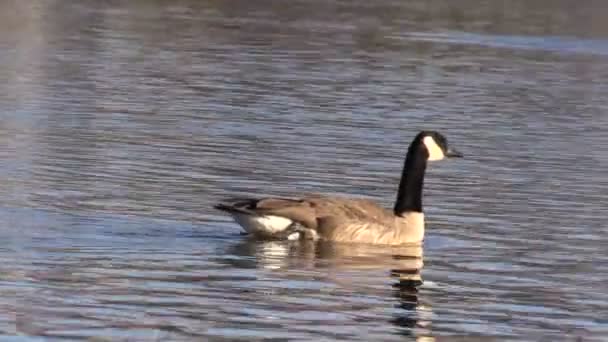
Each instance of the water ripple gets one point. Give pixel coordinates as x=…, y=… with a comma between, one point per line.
x=123, y=123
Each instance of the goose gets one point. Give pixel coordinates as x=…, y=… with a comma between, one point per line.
x=342, y=219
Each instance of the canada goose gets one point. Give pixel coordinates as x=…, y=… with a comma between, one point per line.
x=344, y=219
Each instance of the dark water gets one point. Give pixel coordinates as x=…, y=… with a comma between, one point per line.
x=122, y=123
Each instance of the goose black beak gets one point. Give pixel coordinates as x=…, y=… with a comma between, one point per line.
x=451, y=153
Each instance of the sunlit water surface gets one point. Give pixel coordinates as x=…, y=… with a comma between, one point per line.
x=122, y=123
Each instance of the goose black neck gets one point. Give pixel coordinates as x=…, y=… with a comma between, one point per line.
x=409, y=197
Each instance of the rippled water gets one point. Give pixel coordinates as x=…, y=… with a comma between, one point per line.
x=121, y=124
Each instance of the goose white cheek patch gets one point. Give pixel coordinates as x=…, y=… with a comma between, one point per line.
x=435, y=152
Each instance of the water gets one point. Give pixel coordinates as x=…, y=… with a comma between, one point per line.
x=121, y=124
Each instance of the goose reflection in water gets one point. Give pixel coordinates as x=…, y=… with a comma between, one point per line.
x=352, y=270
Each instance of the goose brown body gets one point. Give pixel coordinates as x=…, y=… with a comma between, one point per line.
x=337, y=218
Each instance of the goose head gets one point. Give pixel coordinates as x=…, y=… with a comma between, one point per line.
x=436, y=146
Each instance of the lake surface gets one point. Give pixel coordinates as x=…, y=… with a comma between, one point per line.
x=122, y=123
